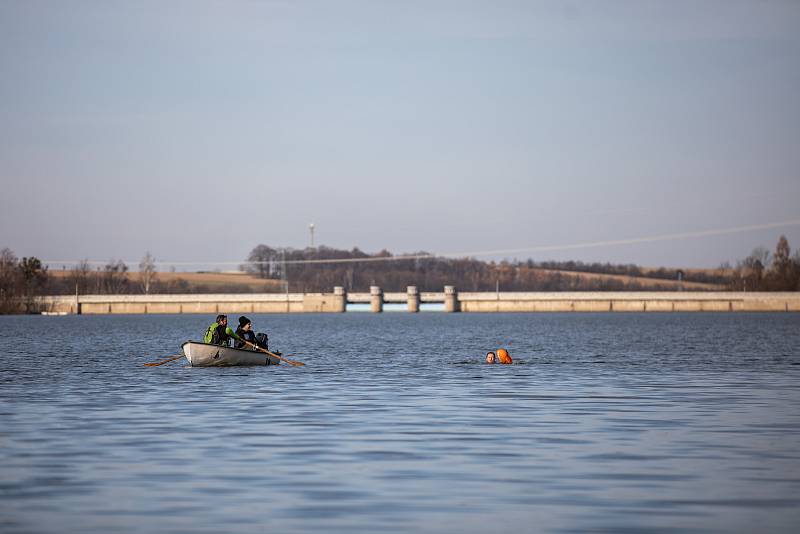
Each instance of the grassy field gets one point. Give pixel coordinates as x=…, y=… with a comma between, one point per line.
x=211, y=282
x=240, y=282
x=655, y=283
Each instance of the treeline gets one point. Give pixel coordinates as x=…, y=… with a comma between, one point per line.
x=21, y=281
x=719, y=276
x=299, y=268
x=310, y=270
x=114, y=278
x=468, y=274
x=762, y=271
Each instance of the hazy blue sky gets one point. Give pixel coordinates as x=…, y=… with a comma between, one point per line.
x=197, y=130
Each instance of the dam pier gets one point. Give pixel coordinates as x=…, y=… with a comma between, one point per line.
x=450, y=298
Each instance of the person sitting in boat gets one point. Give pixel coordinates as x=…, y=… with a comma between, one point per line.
x=220, y=333
x=245, y=331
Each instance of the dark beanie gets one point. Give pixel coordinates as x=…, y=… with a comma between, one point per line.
x=243, y=321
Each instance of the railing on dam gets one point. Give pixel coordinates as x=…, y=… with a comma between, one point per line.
x=454, y=301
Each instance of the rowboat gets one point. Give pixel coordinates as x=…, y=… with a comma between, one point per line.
x=207, y=355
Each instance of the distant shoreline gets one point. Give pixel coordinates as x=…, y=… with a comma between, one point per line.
x=243, y=282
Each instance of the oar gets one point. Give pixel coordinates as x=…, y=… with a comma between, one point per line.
x=273, y=354
x=153, y=364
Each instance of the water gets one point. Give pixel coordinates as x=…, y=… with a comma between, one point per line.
x=606, y=422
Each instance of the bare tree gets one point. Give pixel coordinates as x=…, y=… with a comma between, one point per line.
x=8, y=269
x=80, y=276
x=750, y=271
x=760, y=255
x=34, y=277
x=115, y=277
x=782, y=264
x=782, y=251
x=147, y=272
x=262, y=261
x=795, y=271
x=9, y=276
x=33, y=272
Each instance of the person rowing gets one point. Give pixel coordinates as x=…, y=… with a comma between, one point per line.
x=246, y=334
x=219, y=333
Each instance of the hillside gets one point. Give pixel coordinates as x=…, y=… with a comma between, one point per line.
x=653, y=283
x=178, y=282
x=243, y=282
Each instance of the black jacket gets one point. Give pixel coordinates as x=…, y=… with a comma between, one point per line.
x=247, y=335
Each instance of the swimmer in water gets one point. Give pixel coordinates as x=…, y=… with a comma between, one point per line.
x=490, y=357
x=503, y=356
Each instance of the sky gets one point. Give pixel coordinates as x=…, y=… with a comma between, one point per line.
x=196, y=130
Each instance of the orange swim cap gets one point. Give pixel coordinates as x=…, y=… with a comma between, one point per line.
x=503, y=356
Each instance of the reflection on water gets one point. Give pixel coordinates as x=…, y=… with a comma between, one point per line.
x=607, y=422
x=396, y=307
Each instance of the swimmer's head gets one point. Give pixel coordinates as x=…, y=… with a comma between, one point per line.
x=490, y=357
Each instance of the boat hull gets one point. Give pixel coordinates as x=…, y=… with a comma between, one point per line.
x=207, y=355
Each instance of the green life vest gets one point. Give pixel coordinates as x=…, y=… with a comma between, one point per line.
x=212, y=334
x=209, y=335
x=216, y=334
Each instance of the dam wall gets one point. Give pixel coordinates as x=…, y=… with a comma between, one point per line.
x=454, y=301
x=629, y=302
x=211, y=304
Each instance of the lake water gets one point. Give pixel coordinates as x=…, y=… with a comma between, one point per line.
x=606, y=422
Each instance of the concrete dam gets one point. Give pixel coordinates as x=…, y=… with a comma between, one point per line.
x=452, y=300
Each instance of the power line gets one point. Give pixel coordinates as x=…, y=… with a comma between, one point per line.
x=472, y=254
x=637, y=240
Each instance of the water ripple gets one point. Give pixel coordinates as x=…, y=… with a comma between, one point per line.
x=605, y=423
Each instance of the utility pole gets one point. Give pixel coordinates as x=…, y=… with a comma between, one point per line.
x=284, y=274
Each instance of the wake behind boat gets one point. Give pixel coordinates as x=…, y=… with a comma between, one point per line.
x=208, y=355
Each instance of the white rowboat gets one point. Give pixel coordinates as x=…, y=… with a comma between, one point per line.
x=207, y=355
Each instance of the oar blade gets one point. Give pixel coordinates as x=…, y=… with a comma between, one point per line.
x=296, y=364
x=162, y=362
